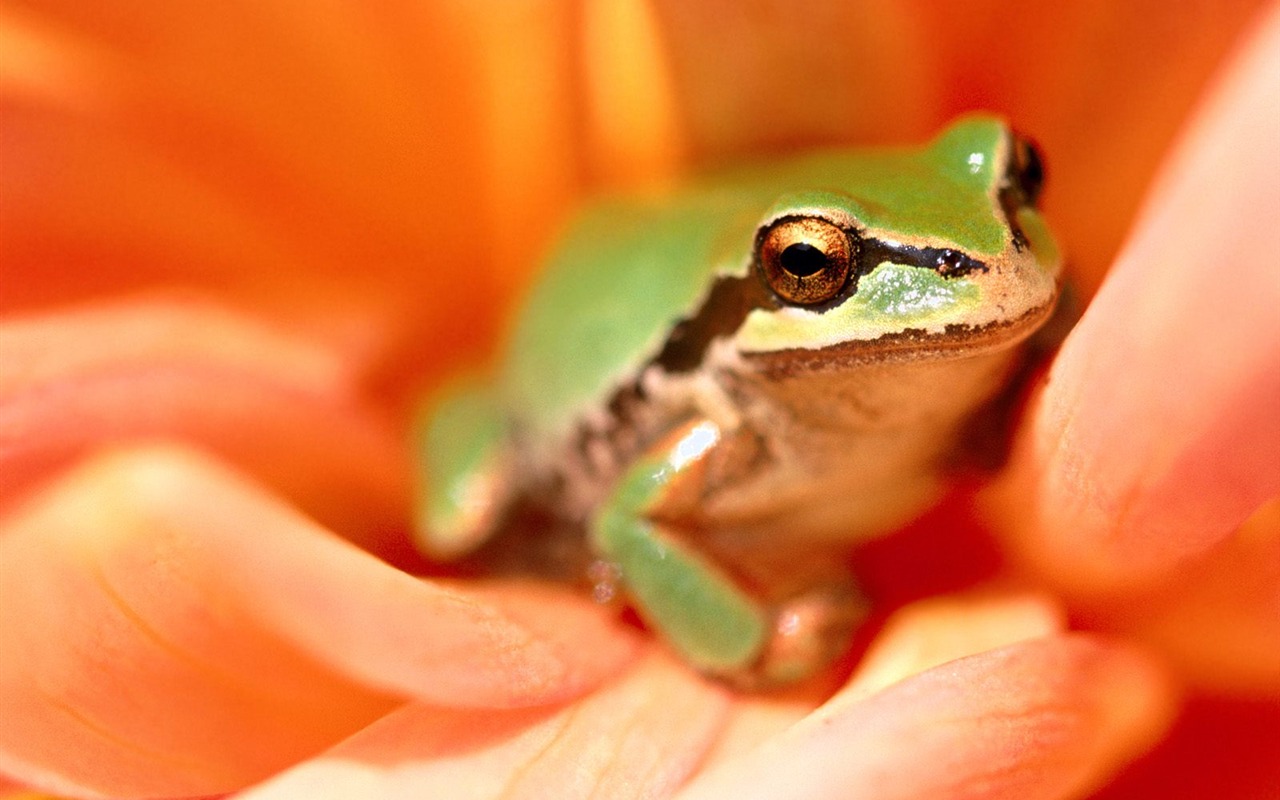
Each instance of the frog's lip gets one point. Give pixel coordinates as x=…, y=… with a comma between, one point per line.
x=913, y=344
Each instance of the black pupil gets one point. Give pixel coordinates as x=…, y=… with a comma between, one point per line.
x=803, y=260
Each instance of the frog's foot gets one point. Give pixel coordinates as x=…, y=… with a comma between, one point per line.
x=809, y=631
x=696, y=606
x=463, y=481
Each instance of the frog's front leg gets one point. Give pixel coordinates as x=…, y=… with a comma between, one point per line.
x=697, y=605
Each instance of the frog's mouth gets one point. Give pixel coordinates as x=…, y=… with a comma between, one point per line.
x=955, y=341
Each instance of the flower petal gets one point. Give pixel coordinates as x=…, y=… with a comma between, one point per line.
x=1094, y=84
x=181, y=368
x=915, y=638
x=640, y=736
x=1157, y=433
x=750, y=81
x=396, y=166
x=1046, y=718
x=184, y=633
x=1217, y=621
x=1219, y=747
x=931, y=632
x=220, y=144
x=1221, y=625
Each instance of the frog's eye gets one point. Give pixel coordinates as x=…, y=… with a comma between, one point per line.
x=805, y=260
x=1028, y=168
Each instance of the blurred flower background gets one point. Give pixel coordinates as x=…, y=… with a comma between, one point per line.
x=236, y=240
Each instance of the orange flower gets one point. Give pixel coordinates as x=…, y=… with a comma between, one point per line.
x=236, y=243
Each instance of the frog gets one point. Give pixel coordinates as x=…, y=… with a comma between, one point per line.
x=715, y=391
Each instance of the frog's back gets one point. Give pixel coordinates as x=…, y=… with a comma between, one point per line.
x=627, y=272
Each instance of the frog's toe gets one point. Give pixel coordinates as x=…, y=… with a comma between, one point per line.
x=810, y=630
x=468, y=521
x=463, y=479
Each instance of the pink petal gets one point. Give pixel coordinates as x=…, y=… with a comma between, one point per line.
x=180, y=368
x=1041, y=719
x=183, y=632
x=638, y=737
x=1158, y=434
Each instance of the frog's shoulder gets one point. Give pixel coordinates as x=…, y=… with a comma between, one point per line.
x=627, y=272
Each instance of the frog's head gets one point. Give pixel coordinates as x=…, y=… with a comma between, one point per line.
x=906, y=253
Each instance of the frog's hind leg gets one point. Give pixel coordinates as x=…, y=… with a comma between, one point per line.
x=464, y=472
x=702, y=610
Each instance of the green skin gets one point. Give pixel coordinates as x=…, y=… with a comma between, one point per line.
x=602, y=320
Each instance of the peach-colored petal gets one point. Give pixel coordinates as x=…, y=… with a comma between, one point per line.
x=755, y=720
x=915, y=638
x=931, y=632
x=1157, y=434
x=183, y=632
x=18, y=794
x=181, y=368
x=638, y=737
x=1042, y=719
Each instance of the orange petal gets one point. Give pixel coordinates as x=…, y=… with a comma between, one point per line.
x=1157, y=434
x=1217, y=621
x=642, y=735
x=1041, y=719
x=1094, y=82
x=751, y=80
x=177, y=142
x=632, y=123
x=1221, y=624
x=179, y=631
x=179, y=368
x=1219, y=748
x=398, y=164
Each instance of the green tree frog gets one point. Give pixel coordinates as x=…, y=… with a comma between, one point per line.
x=712, y=392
